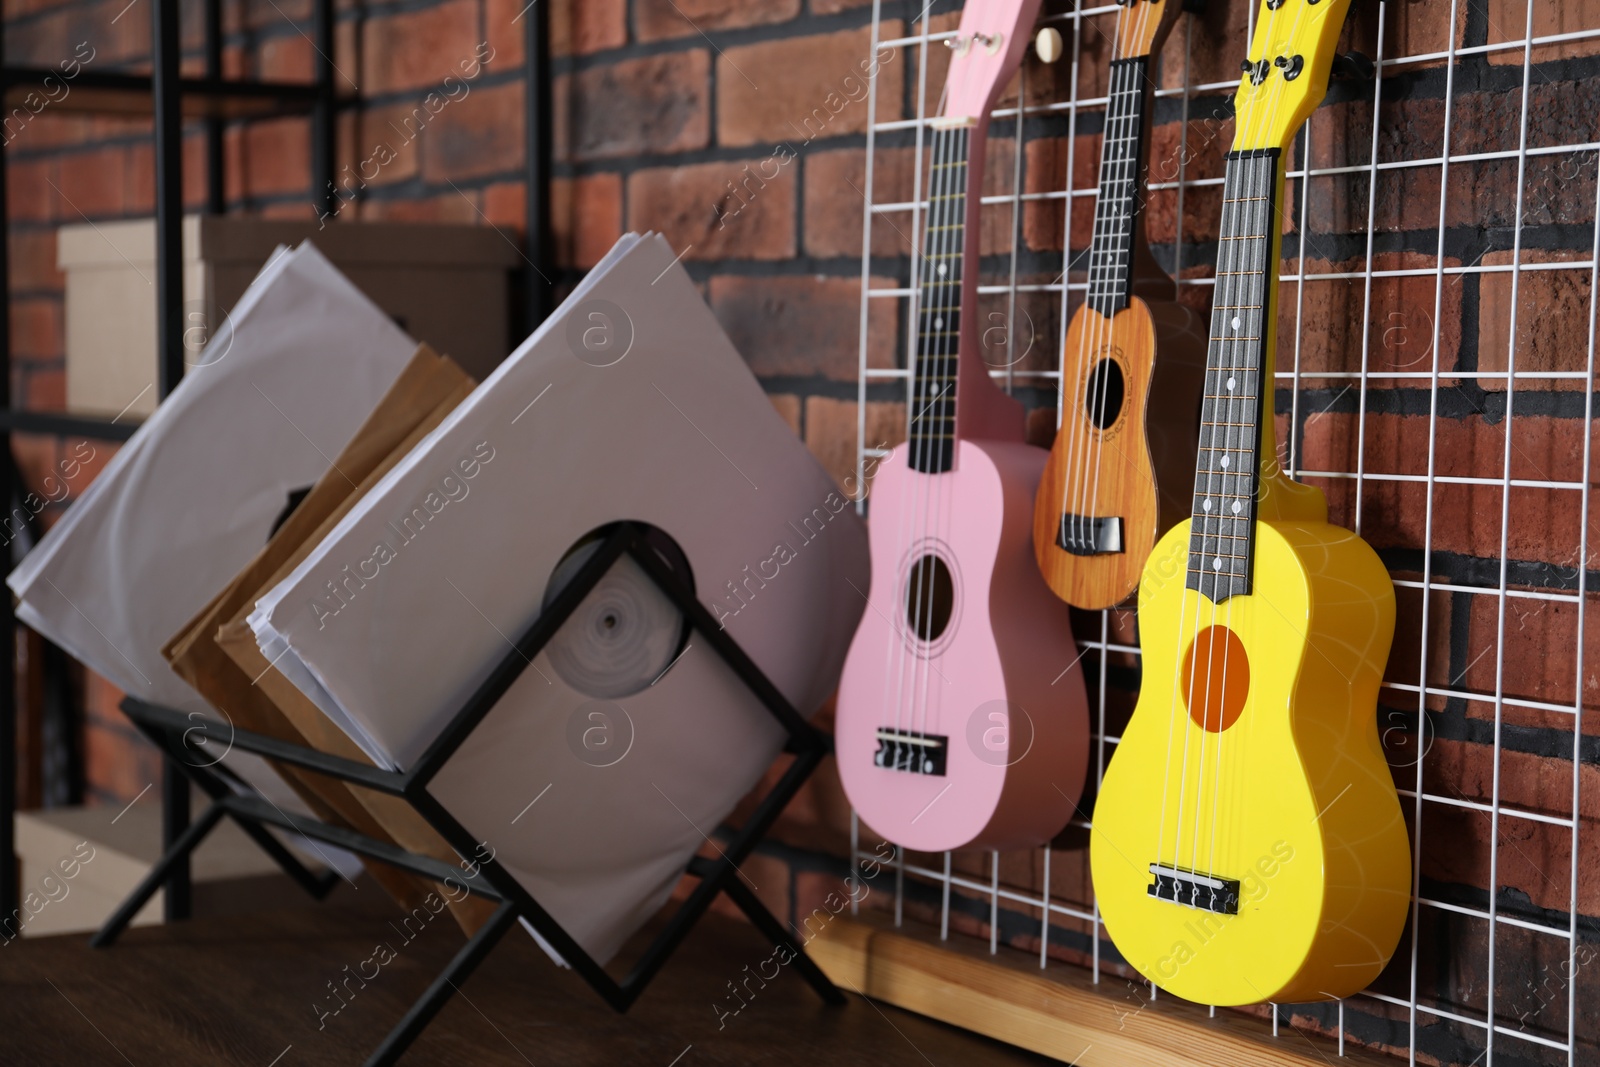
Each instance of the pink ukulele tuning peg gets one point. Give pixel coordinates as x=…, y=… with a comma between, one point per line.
x=960, y=45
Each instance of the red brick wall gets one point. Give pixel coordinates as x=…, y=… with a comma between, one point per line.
x=699, y=118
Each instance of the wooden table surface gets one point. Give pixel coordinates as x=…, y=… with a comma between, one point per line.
x=249, y=990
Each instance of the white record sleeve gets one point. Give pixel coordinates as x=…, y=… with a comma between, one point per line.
x=593, y=785
x=281, y=386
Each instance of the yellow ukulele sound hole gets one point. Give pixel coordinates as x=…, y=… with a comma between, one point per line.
x=930, y=597
x=1216, y=678
x=1102, y=400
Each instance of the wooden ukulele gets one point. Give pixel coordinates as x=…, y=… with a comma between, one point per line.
x=962, y=720
x=1248, y=843
x=1131, y=377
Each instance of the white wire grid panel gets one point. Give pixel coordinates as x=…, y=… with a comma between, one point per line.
x=1436, y=331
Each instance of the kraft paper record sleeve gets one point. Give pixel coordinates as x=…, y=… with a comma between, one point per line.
x=626, y=740
x=281, y=386
x=231, y=674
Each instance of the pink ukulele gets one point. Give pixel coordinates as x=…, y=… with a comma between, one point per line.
x=962, y=721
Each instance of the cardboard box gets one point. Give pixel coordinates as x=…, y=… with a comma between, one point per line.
x=447, y=285
x=78, y=864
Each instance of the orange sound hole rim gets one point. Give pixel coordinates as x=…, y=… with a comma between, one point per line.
x=1219, y=683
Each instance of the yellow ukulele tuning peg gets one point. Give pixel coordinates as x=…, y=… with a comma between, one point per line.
x=1047, y=44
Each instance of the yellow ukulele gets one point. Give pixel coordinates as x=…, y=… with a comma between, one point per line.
x=1132, y=373
x=1248, y=844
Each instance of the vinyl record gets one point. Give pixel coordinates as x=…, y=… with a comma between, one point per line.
x=622, y=636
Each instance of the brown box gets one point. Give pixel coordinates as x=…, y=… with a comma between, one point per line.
x=447, y=284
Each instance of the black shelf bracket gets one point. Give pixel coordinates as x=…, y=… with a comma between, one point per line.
x=539, y=115
x=63, y=424
x=10, y=484
x=112, y=92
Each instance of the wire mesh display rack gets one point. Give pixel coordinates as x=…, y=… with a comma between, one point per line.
x=1436, y=329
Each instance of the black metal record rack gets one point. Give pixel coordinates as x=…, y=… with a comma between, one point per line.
x=171, y=99
x=172, y=730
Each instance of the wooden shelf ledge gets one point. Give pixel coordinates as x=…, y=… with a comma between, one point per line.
x=1059, y=1012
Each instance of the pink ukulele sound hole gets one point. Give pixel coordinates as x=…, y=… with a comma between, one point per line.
x=1216, y=678
x=930, y=597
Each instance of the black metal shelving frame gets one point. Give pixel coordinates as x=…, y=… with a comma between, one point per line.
x=172, y=731
x=171, y=98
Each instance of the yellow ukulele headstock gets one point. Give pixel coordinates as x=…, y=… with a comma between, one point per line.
x=1142, y=25
x=1286, y=73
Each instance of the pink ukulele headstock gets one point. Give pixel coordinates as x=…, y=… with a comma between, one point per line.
x=987, y=51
